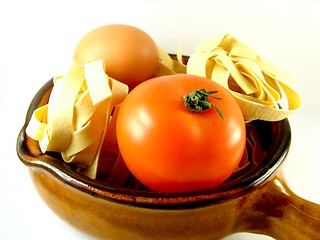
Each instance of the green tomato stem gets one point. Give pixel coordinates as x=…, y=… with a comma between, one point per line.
x=197, y=101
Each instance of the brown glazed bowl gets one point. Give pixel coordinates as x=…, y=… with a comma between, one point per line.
x=258, y=202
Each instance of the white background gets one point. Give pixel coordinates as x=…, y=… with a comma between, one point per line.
x=38, y=38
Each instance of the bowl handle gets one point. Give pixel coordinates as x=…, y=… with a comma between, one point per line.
x=274, y=210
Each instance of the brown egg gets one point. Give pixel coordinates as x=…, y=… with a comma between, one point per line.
x=130, y=55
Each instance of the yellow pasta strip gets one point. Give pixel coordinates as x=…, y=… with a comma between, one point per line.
x=169, y=66
x=210, y=45
x=220, y=75
x=164, y=58
x=163, y=70
x=119, y=92
x=87, y=138
x=84, y=158
x=241, y=51
x=45, y=140
x=252, y=71
x=293, y=97
x=83, y=110
x=97, y=81
x=224, y=60
x=179, y=57
x=273, y=70
x=200, y=64
x=37, y=127
x=84, y=137
x=61, y=123
x=109, y=149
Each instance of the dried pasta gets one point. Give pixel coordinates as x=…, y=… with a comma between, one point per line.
x=257, y=85
x=76, y=118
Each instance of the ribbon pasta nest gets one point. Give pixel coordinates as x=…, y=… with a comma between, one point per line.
x=79, y=119
x=257, y=85
x=77, y=116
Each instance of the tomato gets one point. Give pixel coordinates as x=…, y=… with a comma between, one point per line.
x=172, y=149
x=130, y=54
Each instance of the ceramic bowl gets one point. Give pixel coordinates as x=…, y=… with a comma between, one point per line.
x=257, y=202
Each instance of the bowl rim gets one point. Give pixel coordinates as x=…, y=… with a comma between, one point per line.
x=60, y=170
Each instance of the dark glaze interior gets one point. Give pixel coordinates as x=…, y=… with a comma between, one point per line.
x=275, y=140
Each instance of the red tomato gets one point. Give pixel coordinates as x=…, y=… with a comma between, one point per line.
x=172, y=149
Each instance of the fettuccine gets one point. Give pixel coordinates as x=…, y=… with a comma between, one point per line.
x=76, y=118
x=257, y=85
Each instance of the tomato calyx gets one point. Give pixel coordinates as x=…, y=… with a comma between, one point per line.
x=197, y=101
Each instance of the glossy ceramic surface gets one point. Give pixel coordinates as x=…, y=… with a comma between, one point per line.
x=258, y=202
